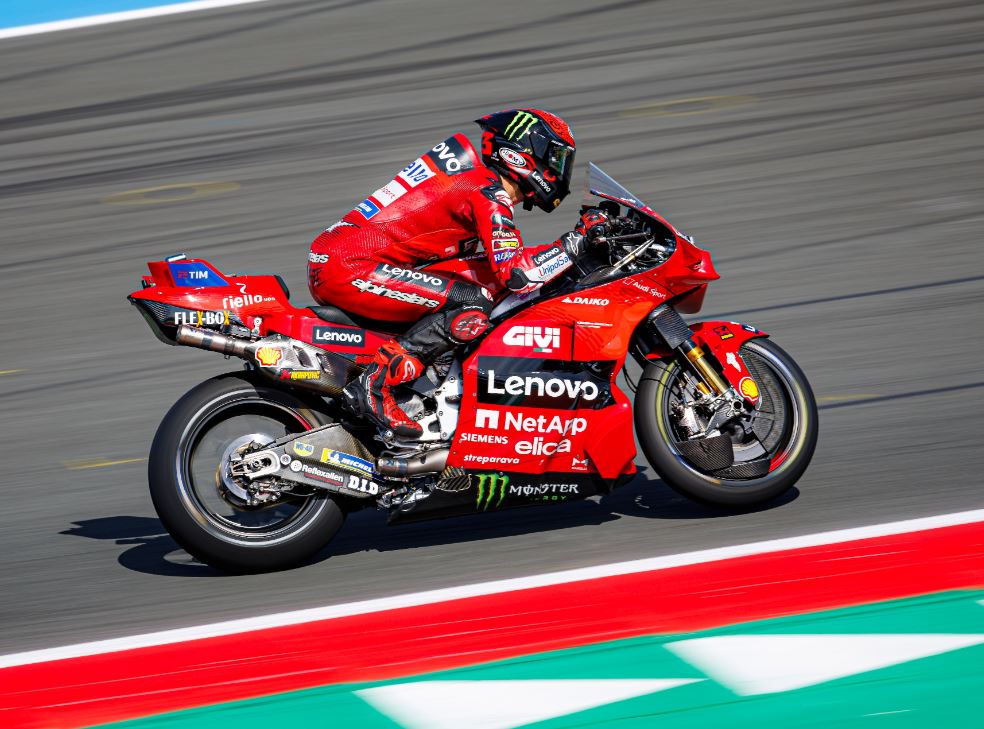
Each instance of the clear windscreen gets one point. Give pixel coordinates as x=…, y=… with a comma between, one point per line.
x=599, y=184
x=623, y=256
x=640, y=239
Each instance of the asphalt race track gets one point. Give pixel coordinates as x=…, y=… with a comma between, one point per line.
x=828, y=153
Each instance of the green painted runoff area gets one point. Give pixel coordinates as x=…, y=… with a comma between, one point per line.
x=907, y=663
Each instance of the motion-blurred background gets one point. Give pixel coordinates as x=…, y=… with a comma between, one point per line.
x=829, y=154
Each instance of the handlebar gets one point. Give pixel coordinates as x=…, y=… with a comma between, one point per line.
x=621, y=238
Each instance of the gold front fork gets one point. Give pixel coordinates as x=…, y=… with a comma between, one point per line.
x=697, y=358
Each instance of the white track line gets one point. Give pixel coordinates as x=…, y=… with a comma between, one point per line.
x=91, y=20
x=295, y=617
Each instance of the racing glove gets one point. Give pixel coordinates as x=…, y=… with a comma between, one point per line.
x=593, y=224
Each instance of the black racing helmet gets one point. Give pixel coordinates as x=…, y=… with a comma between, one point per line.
x=533, y=148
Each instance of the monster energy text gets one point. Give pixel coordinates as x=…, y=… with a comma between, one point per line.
x=519, y=125
x=493, y=487
x=545, y=491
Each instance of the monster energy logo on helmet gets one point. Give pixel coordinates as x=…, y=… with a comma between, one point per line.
x=490, y=485
x=520, y=125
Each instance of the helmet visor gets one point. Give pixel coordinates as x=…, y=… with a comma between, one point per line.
x=560, y=159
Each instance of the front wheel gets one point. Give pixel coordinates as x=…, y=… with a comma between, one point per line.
x=782, y=440
x=200, y=503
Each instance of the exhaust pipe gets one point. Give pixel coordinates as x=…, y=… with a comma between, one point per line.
x=296, y=364
x=212, y=341
x=429, y=462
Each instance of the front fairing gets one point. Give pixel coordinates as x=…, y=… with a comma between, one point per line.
x=540, y=388
x=677, y=273
x=680, y=275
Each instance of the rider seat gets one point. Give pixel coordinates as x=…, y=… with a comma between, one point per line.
x=334, y=315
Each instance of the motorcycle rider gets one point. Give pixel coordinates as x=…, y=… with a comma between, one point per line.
x=441, y=206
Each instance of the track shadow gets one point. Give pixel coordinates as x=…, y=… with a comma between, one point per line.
x=149, y=546
x=152, y=551
x=643, y=497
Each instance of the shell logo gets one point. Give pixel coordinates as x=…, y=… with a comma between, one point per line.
x=269, y=356
x=748, y=388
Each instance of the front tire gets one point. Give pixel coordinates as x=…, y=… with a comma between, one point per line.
x=185, y=472
x=789, y=445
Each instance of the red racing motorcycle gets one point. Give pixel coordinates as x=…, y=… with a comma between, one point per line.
x=256, y=470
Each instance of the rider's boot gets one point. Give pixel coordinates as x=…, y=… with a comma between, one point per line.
x=393, y=365
x=462, y=320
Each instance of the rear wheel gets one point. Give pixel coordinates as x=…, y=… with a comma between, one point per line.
x=768, y=461
x=205, y=509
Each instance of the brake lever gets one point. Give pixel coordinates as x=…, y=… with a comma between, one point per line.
x=622, y=238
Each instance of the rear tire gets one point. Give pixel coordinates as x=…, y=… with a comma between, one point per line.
x=791, y=453
x=188, y=496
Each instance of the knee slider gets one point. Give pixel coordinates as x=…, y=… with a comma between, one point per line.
x=467, y=316
x=468, y=323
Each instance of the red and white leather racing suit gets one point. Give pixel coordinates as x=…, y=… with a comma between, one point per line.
x=439, y=206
